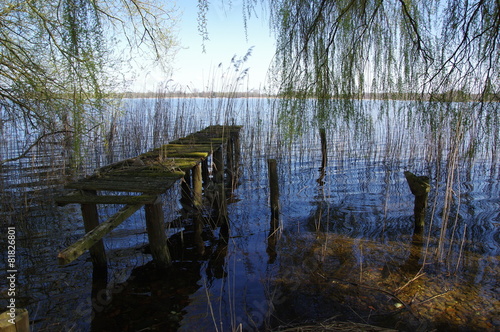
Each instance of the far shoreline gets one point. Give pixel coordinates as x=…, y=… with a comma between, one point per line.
x=441, y=97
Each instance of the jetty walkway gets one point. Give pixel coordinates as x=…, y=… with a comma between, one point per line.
x=139, y=181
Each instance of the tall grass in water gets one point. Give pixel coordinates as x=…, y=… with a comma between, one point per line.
x=439, y=140
x=444, y=141
x=458, y=136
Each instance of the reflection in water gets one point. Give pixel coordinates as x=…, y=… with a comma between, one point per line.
x=149, y=299
x=155, y=299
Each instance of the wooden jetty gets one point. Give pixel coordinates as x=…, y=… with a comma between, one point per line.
x=140, y=181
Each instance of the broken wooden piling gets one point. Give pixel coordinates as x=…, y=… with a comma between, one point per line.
x=419, y=186
x=275, y=209
x=149, y=174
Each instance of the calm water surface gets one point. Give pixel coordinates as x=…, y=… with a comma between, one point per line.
x=345, y=248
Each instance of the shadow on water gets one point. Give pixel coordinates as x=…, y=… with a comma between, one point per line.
x=150, y=298
x=154, y=299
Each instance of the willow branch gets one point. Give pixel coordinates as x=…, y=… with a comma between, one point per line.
x=36, y=142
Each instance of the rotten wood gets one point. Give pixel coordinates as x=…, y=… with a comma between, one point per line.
x=91, y=221
x=156, y=233
x=79, y=197
x=151, y=174
x=95, y=235
x=197, y=184
x=420, y=187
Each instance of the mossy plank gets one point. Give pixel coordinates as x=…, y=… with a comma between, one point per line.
x=157, y=170
x=125, y=184
x=197, y=140
x=79, y=247
x=106, y=199
x=151, y=172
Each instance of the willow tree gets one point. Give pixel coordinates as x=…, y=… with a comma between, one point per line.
x=348, y=48
x=335, y=51
x=58, y=58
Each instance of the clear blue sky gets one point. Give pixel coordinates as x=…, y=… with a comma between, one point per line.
x=194, y=70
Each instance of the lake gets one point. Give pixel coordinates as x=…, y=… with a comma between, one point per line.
x=345, y=250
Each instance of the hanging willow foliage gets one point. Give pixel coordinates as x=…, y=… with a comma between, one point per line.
x=352, y=47
x=58, y=59
x=402, y=49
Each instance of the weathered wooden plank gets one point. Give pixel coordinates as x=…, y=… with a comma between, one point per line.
x=105, y=199
x=142, y=174
x=126, y=184
x=195, y=140
x=79, y=247
x=179, y=149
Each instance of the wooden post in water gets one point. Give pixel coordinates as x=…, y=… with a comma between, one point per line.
x=197, y=186
x=198, y=232
x=324, y=159
x=220, y=196
x=229, y=159
x=219, y=165
x=91, y=221
x=274, y=190
x=156, y=235
x=275, y=210
x=234, y=155
x=204, y=171
x=186, y=200
x=322, y=134
x=419, y=186
x=236, y=148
